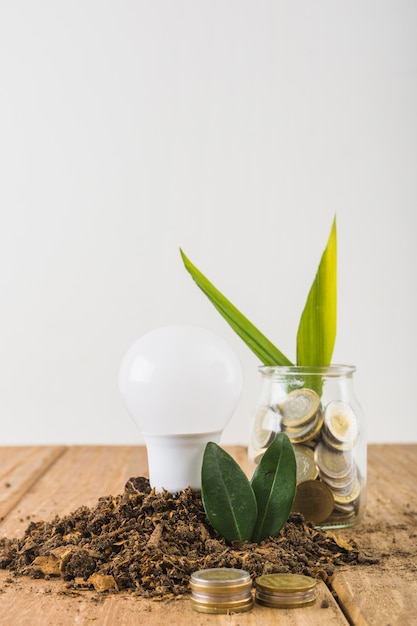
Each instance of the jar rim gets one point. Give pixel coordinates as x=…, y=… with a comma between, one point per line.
x=333, y=369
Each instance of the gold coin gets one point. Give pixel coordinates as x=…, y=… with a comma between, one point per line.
x=341, y=422
x=306, y=465
x=301, y=429
x=285, y=590
x=340, y=517
x=300, y=406
x=309, y=433
x=219, y=578
x=341, y=498
x=285, y=583
x=314, y=500
x=217, y=608
x=280, y=603
x=347, y=509
x=343, y=486
x=331, y=442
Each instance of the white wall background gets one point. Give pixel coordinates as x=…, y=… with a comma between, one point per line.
x=235, y=129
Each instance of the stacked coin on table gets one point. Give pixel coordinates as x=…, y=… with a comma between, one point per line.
x=285, y=590
x=221, y=590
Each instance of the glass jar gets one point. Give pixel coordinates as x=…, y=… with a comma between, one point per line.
x=318, y=410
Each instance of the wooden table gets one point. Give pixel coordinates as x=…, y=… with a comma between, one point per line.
x=38, y=482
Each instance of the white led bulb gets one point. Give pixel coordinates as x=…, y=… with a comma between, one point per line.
x=181, y=385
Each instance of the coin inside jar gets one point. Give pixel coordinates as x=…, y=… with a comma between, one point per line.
x=308, y=433
x=300, y=406
x=344, y=498
x=306, y=466
x=331, y=442
x=333, y=463
x=340, y=421
x=266, y=426
x=314, y=500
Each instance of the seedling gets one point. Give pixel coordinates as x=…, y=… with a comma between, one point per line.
x=243, y=510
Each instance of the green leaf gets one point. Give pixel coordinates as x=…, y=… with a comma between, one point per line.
x=227, y=495
x=274, y=483
x=254, y=339
x=317, y=329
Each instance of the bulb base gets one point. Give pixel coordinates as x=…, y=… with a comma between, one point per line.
x=174, y=461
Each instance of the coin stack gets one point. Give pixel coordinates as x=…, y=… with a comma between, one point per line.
x=323, y=438
x=221, y=590
x=285, y=590
x=334, y=457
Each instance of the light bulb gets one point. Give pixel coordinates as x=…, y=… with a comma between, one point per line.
x=181, y=385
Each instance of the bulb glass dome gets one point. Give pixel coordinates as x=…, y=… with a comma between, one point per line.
x=180, y=380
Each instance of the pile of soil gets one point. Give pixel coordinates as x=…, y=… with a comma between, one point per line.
x=150, y=543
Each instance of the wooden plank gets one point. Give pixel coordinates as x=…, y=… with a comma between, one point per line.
x=38, y=603
x=20, y=468
x=385, y=592
x=80, y=477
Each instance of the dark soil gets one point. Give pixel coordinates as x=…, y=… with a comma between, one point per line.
x=149, y=543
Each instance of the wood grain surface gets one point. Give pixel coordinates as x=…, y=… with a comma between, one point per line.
x=40, y=482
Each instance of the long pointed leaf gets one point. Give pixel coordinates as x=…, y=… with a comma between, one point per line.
x=317, y=329
x=274, y=483
x=254, y=339
x=227, y=495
